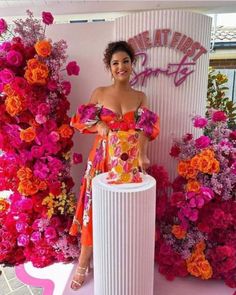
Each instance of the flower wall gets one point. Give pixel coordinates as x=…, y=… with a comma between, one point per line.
x=196, y=223
x=36, y=140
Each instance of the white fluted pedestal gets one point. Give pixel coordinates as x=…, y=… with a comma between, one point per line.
x=124, y=236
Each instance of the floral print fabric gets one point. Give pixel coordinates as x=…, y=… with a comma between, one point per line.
x=85, y=121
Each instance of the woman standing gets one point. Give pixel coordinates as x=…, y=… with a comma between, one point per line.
x=116, y=103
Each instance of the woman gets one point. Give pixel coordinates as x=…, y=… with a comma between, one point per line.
x=115, y=103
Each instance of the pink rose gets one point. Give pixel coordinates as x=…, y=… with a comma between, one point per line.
x=219, y=116
x=6, y=46
x=52, y=85
x=47, y=18
x=40, y=119
x=199, y=122
x=21, y=226
x=72, y=68
x=14, y=58
x=6, y=76
x=23, y=240
x=35, y=237
x=50, y=233
x=43, y=109
x=202, y=142
x=54, y=136
x=20, y=85
x=3, y=26
x=66, y=86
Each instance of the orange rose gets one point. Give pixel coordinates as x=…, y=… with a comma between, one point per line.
x=178, y=232
x=4, y=205
x=206, y=270
x=195, y=162
x=27, y=187
x=193, y=186
x=24, y=173
x=36, y=72
x=65, y=131
x=43, y=48
x=215, y=167
x=205, y=164
x=191, y=172
x=28, y=134
x=9, y=90
x=14, y=105
x=183, y=168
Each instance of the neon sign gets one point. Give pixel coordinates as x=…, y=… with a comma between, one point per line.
x=191, y=49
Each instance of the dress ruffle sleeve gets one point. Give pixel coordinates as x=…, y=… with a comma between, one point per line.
x=86, y=118
x=148, y=122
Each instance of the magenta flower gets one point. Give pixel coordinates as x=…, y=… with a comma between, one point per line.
x=40, y=119
x=43, y=109
x=21, y=227
x=35, y=237
x=66, y=87
x=202, y=142
x=218, y=116
x=54, y=136
x=199, y=122
x=14, y=58
x=6, y=46
x=52, y=85
x=3, y=26
x=20, y=85
x=23, y=240
x=50, y=233
x=47, y=18
x=72, y=68
x=7, y=76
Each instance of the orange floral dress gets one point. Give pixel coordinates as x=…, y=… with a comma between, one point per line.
x=85, y=121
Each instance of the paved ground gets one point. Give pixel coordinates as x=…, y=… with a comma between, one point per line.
x=10, y=285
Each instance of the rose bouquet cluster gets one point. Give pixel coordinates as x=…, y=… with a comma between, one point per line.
x=36, y=139
x=196, y=230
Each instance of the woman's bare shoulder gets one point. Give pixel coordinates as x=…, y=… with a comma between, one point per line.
x=141, y=97
x=97, y=94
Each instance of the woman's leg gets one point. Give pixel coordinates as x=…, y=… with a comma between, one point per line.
x=83, y=264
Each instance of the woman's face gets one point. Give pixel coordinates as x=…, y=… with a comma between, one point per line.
x=121, y=66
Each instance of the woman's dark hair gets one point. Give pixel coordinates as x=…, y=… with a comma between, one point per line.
x=118, y=46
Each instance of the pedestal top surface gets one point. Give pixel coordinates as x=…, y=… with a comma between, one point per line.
x=101, y=181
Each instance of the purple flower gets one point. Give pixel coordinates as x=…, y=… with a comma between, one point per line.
x=14, y=58
x=219, y=116
x=202, y=142
x=47, y=18
x=3, y=26
x=72, y=68
x=7, y=76
x=199, y=122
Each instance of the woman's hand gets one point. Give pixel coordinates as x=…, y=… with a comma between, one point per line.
x=102, y=128
x=144, y=162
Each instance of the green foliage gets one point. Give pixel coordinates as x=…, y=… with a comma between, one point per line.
x=216, y=99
